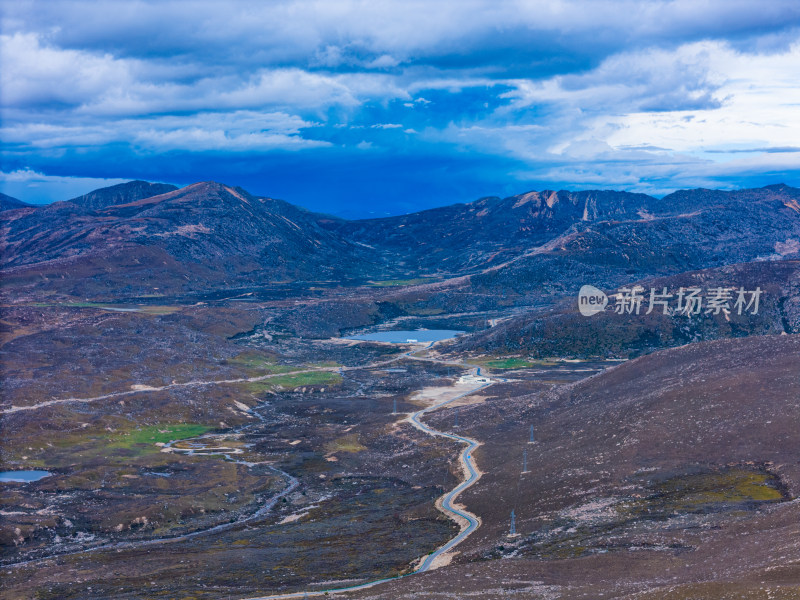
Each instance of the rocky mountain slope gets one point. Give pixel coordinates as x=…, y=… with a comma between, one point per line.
x=474, y=236
x=9, y=203
x=674, y=475
x=563, y=331
x=203, y=236
x=122, y=194
x=685, y=231
x=515, y=251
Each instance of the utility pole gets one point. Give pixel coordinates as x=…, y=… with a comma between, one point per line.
x=525, y=461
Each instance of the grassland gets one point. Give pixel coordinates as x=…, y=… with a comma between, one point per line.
x=400, y=282
x=160, y=434
x=294, y=381
x=346, y=443
x=509, y=363
x=702, y=491
x=157, y=310
x=259, y=364
x=513, y=362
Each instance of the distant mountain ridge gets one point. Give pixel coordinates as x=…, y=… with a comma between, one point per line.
x=204, y=235
x=518, y=222
x=10, y=203
x=122, y=194
x=209, y=235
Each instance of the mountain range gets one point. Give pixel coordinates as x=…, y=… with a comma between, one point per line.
x=138, y=239
x=172, y=359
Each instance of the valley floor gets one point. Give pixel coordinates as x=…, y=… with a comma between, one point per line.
x=196, y=451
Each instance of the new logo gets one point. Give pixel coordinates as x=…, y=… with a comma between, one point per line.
x=591, y=300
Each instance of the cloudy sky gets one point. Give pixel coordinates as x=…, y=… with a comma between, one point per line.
x=386, y=107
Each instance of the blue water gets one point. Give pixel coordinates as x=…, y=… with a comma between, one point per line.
x=23, y=476
x=401, y=337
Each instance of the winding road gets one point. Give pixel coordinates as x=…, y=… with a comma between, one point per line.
x=467, y=462
x=468, y=521
x=142, y=389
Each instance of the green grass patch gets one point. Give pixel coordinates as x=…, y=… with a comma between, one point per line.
x=424, y=312
x=295, y=380
x=70, y=304
x=324, y=364
x=397, y=282
x=153, y=434
x=733, y=486
x=263, y=364
x=148, y=310
x=158, y=310
x=346, y=443
x=729, y=489
x=513, y=362
x=510, y=363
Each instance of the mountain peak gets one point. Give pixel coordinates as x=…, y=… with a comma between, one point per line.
x=9, y=203
x=122, y=193
x=778, y=187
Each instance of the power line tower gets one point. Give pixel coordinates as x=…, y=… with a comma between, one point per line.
x=530, y=441
x=394, y=410
x=513, y=530
x=525, y=461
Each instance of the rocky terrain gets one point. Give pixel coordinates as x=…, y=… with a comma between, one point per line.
x=123, y=193
x=519, y=249
x=674, y=475
x=562, y=331
x=202, y=237
x=9, y=203
x=174, y=359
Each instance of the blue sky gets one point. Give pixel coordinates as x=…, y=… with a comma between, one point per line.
x=360, y=108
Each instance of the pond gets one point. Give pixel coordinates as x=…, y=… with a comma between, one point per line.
x=23, y=476
x=422, y=336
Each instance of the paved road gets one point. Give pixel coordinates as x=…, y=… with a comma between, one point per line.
x=466, y=460
x=199, y=383
x=473, y=475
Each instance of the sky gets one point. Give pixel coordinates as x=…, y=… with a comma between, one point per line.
x=370, y=108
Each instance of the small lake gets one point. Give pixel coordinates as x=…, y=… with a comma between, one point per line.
x=403, y=337
x=23, y=476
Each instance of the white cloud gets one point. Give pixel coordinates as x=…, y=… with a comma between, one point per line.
x=383, y=61
x=661, y=85
x=649, y=80
x=759, y=97
x=281, y=30
x=36, y=74
x=234, y=131
x=33, y=187
x=602, y=125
